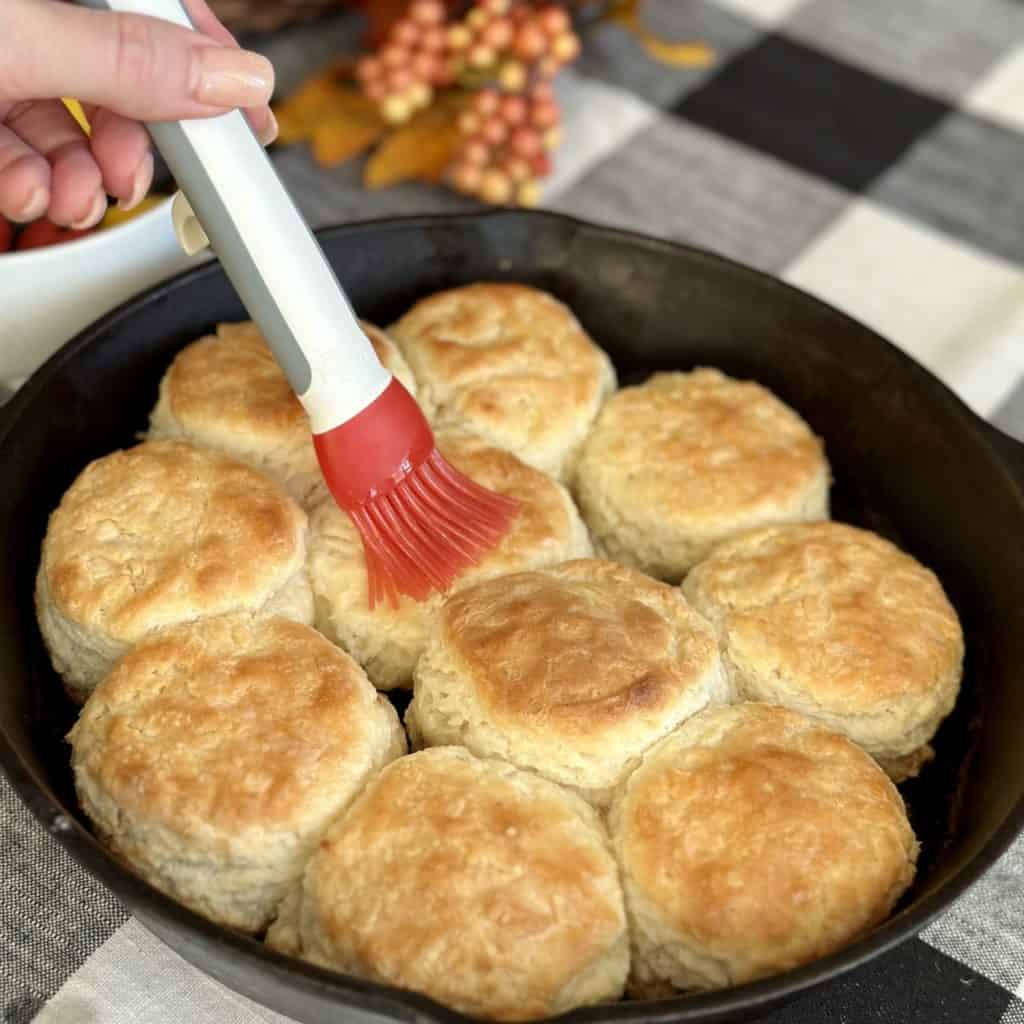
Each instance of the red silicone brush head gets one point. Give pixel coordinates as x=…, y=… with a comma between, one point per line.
x=422, y=522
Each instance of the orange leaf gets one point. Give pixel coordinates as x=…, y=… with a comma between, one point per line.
x=684, y=55
x=420, y=150
x=318, y=97
x=342, y=135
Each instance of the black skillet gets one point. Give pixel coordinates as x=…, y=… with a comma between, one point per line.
x=910, y=462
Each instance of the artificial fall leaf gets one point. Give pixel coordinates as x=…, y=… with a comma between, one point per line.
x=341, y=135
x=684, y=55
x=320, y=96
x=420, y=150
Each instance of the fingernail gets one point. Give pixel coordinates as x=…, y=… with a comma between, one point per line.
x=141, y=181
x=35, y=206
x=270, y=131
x=233, y=78
x=96, y=211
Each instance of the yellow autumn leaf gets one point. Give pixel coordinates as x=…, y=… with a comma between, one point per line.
x=684, y=55
x=320, y=96
x=340, y=135
x=681, y=55
x=420, y=150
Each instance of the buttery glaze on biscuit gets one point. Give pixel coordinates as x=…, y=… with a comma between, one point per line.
x=486, y=888
x=751, y=841
x=840, y=624
x=216, y=753
x=160, y=534
x=387, y=641
x=510, y=363
x=571, y=671
x=226, y=391
x=687, y=459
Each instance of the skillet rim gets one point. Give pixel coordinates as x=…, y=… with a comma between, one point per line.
x=320, y=983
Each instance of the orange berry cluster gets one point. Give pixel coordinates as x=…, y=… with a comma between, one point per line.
x=506, y=142
x=412, y=62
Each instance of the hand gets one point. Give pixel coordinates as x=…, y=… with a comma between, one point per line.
x=125, y=69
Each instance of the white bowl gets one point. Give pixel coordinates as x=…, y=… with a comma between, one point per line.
x=48, y=295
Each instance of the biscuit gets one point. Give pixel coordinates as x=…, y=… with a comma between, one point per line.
x=216, y=753
x=512, y=364
x=572, y=672
x=387, y=641
x=488, y=889
x=160, y=534
x=226, y=391
x=686, y=460
x=841, y=625
x=751, y=841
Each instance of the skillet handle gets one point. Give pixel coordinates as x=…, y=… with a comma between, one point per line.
x=1010, y=448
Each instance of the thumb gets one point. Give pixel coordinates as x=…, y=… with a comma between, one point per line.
x=142, y=68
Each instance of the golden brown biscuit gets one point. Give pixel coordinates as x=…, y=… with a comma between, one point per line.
x=228, y=392
x=680, y=463
x=510, y=363
x=753, y=840
x=841, y=625
x=216, y=753
x=387, y=641
x=160, y=534
x=572, y=672
x=483, y=887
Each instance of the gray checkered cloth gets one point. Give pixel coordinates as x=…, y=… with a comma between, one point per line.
x=870, y=152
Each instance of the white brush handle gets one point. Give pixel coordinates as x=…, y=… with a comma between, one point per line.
x=268, y=252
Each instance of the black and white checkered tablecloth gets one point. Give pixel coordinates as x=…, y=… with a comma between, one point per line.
x=869, y=151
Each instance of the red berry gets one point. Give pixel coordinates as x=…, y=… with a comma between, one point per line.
x=367, y=69
x=498, y=34
x=541, y=165
x=495, y=6
x=545, y=115
x=469, y=122
x=427, y=12
x=425, y=66
x=476, y=153
x=405, y=32
x=486, y=102
x=394, y=56
x=376, y=89
x=517, y=169
x=466, y=177
x=526, y=142
x=542, y=93
x=459, y=37
x=553, y=20
x=494, y=132
x=399, y=79
x=433, y=40
x=41, y=233
x=514, y=109
x=6, y=234
x=547, y=67
x=530, y=42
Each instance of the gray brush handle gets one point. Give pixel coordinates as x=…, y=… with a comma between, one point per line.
x=268, y=252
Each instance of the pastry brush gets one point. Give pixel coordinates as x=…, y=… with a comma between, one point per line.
x=420, y=520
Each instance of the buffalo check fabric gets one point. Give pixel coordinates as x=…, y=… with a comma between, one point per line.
x=871, y=153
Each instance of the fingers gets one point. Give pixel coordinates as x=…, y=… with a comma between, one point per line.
x=263, y=122
x=24, y=179
x=121, y=150
x=141, y=68
x=77, y=198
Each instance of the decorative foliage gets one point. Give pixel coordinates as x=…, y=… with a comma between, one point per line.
x=459, y=92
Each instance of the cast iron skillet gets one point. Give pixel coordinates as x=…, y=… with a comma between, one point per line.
x=910, y=461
